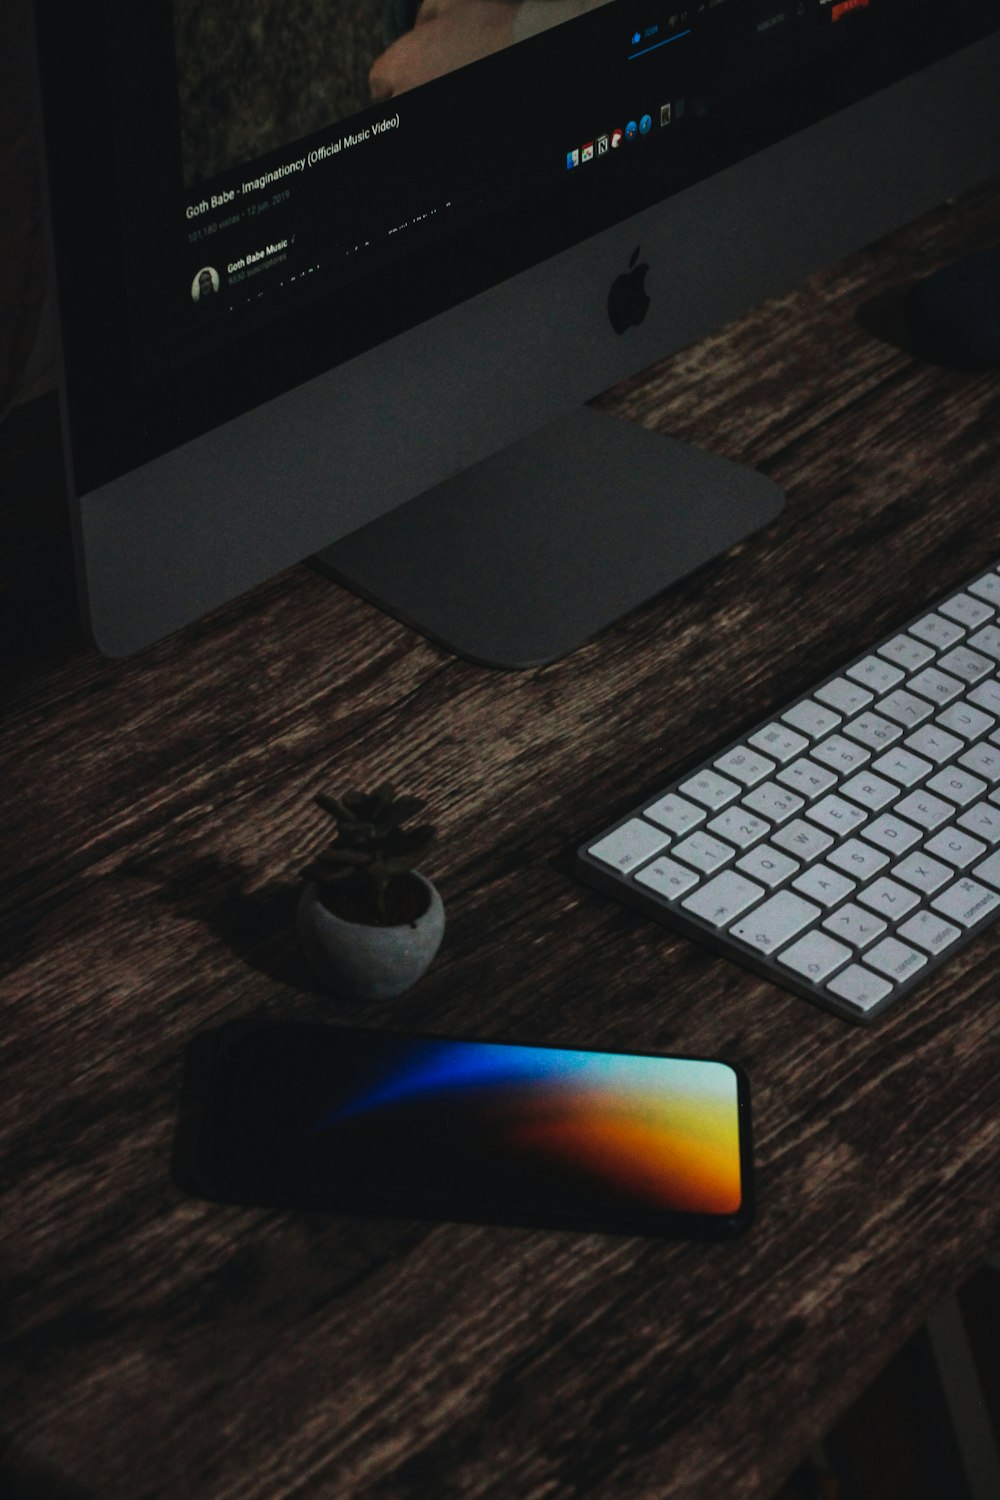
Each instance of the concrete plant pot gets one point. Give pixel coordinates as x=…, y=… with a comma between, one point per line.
x=365, y=962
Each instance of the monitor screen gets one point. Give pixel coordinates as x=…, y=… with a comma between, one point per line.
x=327, y=233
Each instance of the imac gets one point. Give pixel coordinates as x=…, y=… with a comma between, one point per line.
x=322, y=297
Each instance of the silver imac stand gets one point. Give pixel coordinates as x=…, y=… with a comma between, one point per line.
x=524, y=556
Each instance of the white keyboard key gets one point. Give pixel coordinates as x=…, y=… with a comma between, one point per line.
x=845, y=696
x=774, y=923
x=965, y=719
x=703, y=851
x=989, y=871
x=776, y=803
x=724, y=898
x=815, y=956
x=986, y=694
x=876, y=674
x=987, y=640
x=966, y=610
x=811, y=718
x=807, y=778
x=906, y=708
x=983, y=759
x=958, y=785
x=820, y=883
x=895, y=960
x=956, y=846
x=930, y=932
x=872, y=730
x=869, y=790
x=710, y=789
x=936, y=686
x=738, y=826
x=851, y=841
x=902, y=766
x=855, y=925
x=630, y=845
x=803, y=840
x=674, y=813
x=836, y=814
x=982, y=821
x=860, y=987
x=923, y=872
x=893, y=834
x=667, y=878
x=780, y=741
x=937, y=631
x=906, y=652
x=966, y=902
x=987, y=588
x=767, y=864
x=887, y=898
x=924, y=809
x=857, y=859
x=937, y=744
x=745, y=765
x=841, y=755
x=967, y=664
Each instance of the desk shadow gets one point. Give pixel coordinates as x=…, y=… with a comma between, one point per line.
x=196, y=1082
x=24, y=1476
x=39, y=614
x=257, y=925
x=886, y=318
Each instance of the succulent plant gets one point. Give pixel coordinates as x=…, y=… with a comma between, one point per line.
x=371, y=851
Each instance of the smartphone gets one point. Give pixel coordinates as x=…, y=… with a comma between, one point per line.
x=327, y=1117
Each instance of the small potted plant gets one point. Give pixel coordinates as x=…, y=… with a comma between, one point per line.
x=370, y=924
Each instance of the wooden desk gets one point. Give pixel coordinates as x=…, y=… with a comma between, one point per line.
x=155, y=813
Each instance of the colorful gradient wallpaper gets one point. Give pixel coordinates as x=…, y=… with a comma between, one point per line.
x=493, y=1124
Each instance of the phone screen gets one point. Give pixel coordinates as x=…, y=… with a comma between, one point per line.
x=323, y=1116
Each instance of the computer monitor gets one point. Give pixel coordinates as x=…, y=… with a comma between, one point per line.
x=299, y=322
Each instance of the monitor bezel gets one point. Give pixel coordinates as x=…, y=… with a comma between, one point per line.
x=119, y=421
x=165, y=542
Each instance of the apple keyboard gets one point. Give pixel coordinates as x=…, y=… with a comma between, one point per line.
x=849, y=844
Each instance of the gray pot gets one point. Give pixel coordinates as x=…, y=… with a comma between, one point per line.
x=368, y=963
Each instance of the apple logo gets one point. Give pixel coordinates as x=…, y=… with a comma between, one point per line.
x=628, y=300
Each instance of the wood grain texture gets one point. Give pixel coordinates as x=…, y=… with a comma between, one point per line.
x=154, y=815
